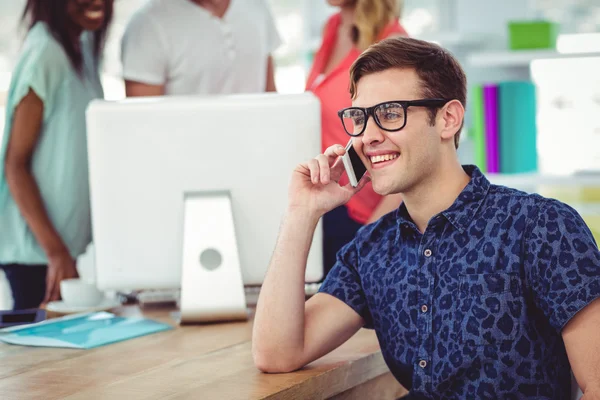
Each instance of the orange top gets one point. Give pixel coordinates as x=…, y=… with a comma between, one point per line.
x=333, y=92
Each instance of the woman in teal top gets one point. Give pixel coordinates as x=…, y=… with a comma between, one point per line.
x=44, y=191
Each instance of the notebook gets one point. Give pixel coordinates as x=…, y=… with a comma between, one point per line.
x=490, y=101
x=81, y=331
x=518, y=130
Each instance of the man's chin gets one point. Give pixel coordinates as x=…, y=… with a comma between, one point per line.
x=382, y=190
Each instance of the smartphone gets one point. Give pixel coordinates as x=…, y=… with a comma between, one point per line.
x=19, y=317
x=353, y=165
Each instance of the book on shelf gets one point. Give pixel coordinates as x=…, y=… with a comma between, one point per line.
x=504, y=128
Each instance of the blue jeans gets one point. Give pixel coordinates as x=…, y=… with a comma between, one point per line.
x=338, y=230
x=27, y=283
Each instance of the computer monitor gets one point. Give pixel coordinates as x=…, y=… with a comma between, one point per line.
x=146, y=155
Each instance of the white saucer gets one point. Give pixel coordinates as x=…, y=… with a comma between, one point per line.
x=63, y=308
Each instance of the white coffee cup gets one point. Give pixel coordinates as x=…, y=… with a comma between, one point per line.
x=79, y=293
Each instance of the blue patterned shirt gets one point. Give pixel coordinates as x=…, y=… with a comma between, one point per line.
x=474, y=306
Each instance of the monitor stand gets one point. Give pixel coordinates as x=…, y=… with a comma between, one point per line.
x=212, y=287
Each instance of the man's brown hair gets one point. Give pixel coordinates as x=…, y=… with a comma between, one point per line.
x=440, y=73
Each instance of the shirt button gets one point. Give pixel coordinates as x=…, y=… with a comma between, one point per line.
x=427, y=253
x=424, y=308
x=422, y=363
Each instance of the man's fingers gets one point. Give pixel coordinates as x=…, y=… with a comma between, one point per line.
x=323, y=169
x=313, y=166
x=336, y=170
x=361, y=184
x=333, y=152
x=328, y=166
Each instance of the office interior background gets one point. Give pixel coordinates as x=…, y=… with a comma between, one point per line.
x=566, y=77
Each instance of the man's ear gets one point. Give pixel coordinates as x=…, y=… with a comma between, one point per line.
x=449, y=119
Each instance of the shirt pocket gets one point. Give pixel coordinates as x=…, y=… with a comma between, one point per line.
x=489, y=308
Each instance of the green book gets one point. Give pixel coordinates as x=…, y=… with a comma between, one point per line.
x=478, y=128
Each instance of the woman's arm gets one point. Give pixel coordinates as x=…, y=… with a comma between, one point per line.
x=27, y=121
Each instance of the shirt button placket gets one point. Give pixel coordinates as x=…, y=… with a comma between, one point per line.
x=426, y=351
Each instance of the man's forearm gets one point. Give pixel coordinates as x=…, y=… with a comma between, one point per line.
x=583, y=348
x=279, y=320
x=26, y=194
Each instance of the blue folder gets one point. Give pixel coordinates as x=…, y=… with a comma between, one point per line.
x=517, y=127
x=81, y=331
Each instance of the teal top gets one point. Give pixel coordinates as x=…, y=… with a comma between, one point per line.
x=60, y=163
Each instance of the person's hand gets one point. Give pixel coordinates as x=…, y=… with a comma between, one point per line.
x=314, y=186
x=60, y=267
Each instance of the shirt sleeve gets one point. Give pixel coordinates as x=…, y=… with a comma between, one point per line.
x=343, y=282
x=143, y=51
x=562, y=263
x=41, y=69
x=273, y=38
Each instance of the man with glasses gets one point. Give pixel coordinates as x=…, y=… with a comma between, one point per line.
x=474, y=290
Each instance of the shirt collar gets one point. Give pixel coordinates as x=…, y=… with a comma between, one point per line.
x=463, y=210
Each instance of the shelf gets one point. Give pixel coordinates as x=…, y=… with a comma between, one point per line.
x=520, y=58
x=455, y=40
x=531, y=180
x=587, y=209
x=568, y=188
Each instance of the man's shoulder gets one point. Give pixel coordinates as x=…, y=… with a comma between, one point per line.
x=502, y=195
x=509, y=199
x=156, y=7
x=535, y=207
x=153, y=11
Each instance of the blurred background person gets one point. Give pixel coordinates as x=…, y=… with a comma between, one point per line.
x=185, y=47
x=357, y=25
x=44, y=190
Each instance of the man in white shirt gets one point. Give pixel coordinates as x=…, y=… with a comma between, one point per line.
x=183, y=47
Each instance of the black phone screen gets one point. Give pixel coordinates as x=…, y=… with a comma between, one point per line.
x=357, y=164
x=17, y=317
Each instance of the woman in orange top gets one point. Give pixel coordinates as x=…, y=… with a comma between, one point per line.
x=359, y=24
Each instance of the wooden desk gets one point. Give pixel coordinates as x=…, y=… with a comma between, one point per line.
x=191, y=362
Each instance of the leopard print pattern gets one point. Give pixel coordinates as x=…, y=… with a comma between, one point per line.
x=474, y=306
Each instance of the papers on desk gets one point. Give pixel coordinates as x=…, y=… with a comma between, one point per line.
x=81, y=331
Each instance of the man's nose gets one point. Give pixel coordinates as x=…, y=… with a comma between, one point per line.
x=372, y=133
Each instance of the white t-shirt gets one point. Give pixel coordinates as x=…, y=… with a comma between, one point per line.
x=181, y=45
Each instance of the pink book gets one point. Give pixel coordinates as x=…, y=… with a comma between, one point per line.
x=490, y=108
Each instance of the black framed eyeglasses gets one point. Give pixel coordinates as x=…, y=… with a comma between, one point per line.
x=390, y=116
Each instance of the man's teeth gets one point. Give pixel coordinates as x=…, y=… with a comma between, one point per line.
x=384, y=157
x=94, y=14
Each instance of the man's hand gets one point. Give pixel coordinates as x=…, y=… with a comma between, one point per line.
x=60, y=267
x=288, y=333
x=314, y=186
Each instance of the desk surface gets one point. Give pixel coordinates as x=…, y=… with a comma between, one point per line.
x=197, y=361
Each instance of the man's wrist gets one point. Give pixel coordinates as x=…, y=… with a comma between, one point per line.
x=306, y=214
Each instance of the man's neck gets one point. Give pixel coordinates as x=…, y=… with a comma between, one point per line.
x=218, y=8
x=436, y=194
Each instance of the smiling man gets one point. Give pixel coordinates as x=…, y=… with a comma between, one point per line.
x=474, y=290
